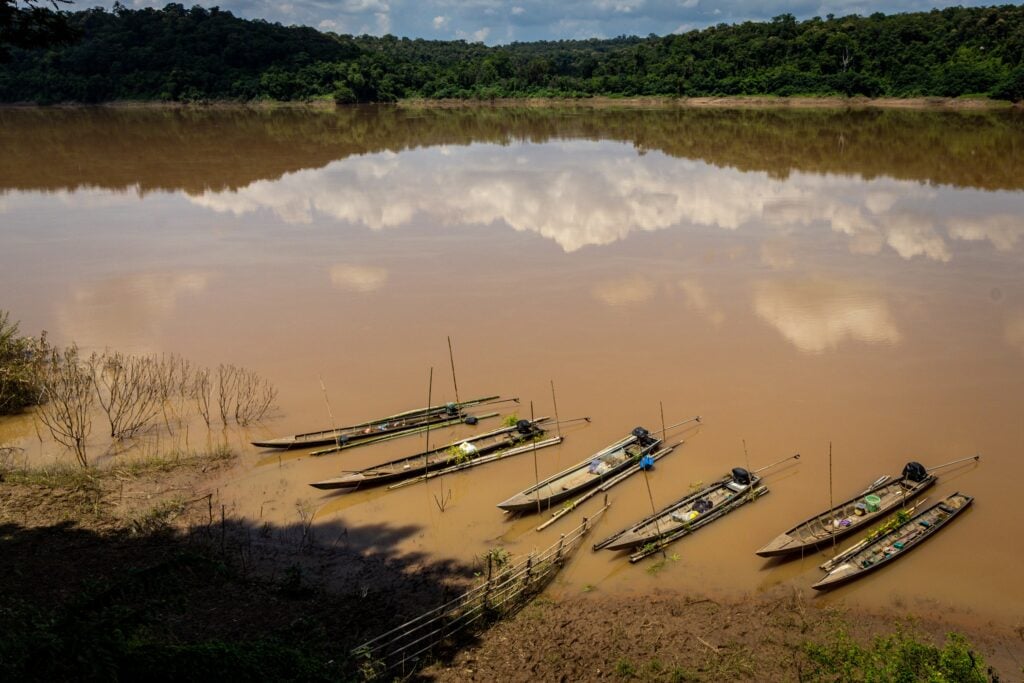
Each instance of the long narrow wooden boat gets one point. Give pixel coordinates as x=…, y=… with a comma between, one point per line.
x=457, y=452
x=392, y=424
x=599, y=467
x=690, y=512
x=896, y=542
x=853, y=514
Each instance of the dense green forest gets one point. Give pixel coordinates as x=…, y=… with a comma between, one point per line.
x=197, y=54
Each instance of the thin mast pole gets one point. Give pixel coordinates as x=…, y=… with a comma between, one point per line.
x=451, y=357
x=554, y=402
x=536, y=470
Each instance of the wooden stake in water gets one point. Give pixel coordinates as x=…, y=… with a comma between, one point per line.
x=451, y=358
x=831, y=522
x=554, y=402
x=536, y=470
x=426, y=449
x=330, y=413
x=661, y=406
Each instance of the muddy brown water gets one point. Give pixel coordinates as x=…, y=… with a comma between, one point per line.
x=797, y=278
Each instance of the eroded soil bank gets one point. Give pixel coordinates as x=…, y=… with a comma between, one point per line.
x=672, y=637
x=116, y=573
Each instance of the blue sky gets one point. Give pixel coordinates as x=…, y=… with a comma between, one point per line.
x=504, y=21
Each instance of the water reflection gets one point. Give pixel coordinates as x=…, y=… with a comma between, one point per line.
x=594, y=194
x=132, y=308
x=634, y=289
x=819, y=314
x=358, y=278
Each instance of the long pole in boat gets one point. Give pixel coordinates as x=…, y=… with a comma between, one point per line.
x=451, y=357
x=426, y=449
x=536, y=470
x=661, y=406
x=330, y=413
x=832, y=520
x=975, y=457
x=647, y=480
x=795, y=456
x=554, y=402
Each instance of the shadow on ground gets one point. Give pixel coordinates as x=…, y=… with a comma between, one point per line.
x=222, y=599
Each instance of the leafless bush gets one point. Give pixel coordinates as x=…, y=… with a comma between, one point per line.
x=227, y=384
x=128, y=391
x=67, y=398
x=174, y=381
x=253, y=397
x=201, y=391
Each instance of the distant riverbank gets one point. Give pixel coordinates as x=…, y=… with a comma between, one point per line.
x=731, y=102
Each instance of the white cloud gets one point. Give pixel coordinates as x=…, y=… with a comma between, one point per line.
x=480, y=35
x=634, y=289
x=818, y=315
x=1013, y=331
x=1002, y=230
x=440, y=22
x=126, y=311
x=517, y=10
x=358, y=278
x=583, y=193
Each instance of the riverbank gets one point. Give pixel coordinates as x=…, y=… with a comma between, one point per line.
x=141, y=566
x=730, y=102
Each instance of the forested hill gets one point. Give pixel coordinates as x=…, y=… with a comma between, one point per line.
x=178, y=54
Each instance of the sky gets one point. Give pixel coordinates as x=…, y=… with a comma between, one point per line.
x=498, y=22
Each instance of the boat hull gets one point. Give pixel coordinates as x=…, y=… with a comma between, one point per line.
x=803, y=537
x=887, y=548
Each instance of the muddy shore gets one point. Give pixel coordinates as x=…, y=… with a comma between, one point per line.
x=86, y=548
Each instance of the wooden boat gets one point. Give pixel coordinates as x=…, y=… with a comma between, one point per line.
x=895, y=542
x=853, y=514
x=455, y=453
x=408, y=421
x=689, y=513
x=596, y=469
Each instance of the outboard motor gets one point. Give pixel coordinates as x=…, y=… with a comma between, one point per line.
x=741, y=476
x=470, y=420
x=643, y=436
x=451, y=408
x=915, y=472
x=524, y=427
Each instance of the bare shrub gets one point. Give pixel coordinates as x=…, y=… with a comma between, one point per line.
x=227, y=382
x=67, y=398
x=201, y=391
x=253, y=397
x=128, y=391
x=174, y=380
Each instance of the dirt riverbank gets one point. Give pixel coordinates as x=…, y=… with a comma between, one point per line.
x=143, y=565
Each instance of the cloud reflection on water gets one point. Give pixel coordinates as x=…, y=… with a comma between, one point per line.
x=129, y=307
x=819, y=314
x=582, y=193
x=357, y=278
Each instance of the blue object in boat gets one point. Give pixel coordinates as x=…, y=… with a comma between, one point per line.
x=646, y=462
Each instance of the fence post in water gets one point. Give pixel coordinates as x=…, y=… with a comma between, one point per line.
x=529, y=570
x=585, y=523
x=487, y=586
x=558, y=553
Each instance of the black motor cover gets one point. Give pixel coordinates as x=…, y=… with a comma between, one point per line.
x=915, y=471
x=741, y=476
x=642, y=436
x=524, y=427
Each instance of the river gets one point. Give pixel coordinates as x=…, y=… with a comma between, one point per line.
x=807, y=281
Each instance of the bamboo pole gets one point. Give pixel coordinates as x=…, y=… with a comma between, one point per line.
x=554, y=402
x=451, y=357
x=975, y=457
x=536, y=470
